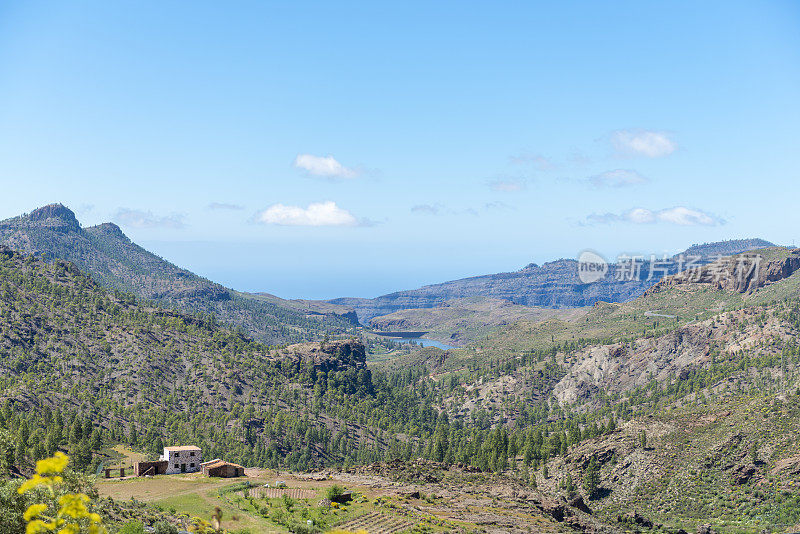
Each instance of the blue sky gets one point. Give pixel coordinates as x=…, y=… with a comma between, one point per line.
x=327, y=149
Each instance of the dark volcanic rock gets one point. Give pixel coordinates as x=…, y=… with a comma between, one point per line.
x=578, y=503
x=743, y=474
x=635, y=518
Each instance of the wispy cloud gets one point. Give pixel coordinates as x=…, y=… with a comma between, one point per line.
x=647, y=143
x=679, y=215
x=579, y=158
x=315, y=214
x=225, y=206
x=146, y=219
x=323, y=166
x=507, y=185
x=439, y=209
x=427, y=209
x=497, y=206
x=539, y=161
x=617, y=178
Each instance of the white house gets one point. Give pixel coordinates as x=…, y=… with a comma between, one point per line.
x=183, y=459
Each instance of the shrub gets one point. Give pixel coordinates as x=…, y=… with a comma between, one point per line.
x=162, y=527
x=133, y=527
x=334, y=492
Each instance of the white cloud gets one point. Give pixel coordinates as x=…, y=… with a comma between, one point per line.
x=326, y=167
x=650, y=144
x=146, y=219
x=687, y=217
x=617, y=178
x=641, y=216
x=316, y=214
x=679, y=215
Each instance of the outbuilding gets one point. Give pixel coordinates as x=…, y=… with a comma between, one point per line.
x=141, y=469
x=220, y=468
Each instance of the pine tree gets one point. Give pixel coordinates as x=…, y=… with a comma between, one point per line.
x=569, y=485
x=591, y=477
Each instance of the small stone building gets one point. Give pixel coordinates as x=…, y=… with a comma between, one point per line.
x=219, y=468
x=182, y=459
x=141, y=469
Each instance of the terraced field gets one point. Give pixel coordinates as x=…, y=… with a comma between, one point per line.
x=377, y=523
x=276, y=493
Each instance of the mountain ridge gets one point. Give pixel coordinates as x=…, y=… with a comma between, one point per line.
x=108, y=255
x=554, y=284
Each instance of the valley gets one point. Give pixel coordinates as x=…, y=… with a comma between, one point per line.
x=638, y=415
x=399, y=267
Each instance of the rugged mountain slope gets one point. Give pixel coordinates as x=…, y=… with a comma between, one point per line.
x=677, y=329
x=689, y=422
x=116, y=262
x=82, y=365
x=673, y=302
x=554, y=284
x=139, y=373
x=731, y=463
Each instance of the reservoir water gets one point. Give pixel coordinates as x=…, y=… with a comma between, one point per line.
x=421, y=342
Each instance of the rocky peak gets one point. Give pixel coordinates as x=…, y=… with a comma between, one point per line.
x=55, y=215
x=109, y=229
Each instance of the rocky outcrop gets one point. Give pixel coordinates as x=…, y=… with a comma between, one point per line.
x=339, y=355
x=55, y=216
x=620, y=367
x=743, y=474
x=744, y=273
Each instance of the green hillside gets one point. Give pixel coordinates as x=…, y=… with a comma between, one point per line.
x=113, y=260
x=84, y=369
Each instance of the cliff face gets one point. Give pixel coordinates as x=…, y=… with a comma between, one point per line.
x=744, y=273
x=552, y=285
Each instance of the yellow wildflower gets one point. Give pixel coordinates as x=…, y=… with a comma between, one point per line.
x=56, y=464
x=72, y=505
x=33, y=511
x=36, y=526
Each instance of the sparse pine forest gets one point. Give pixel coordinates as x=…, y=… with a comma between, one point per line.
x=85, y=368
